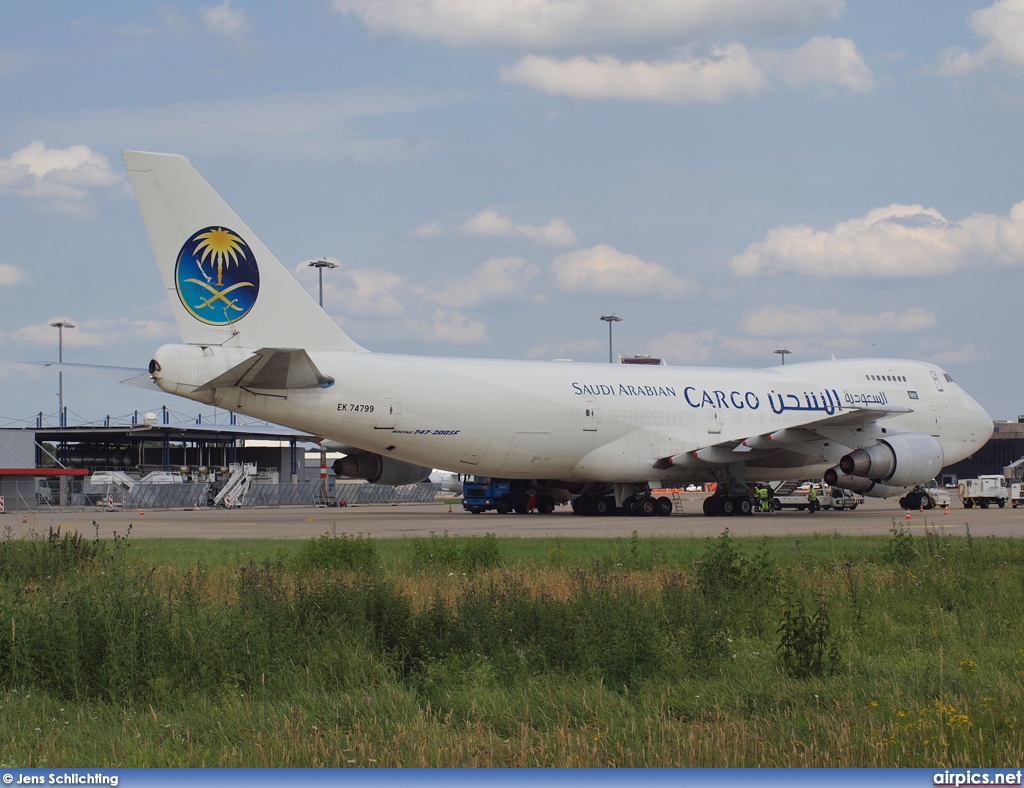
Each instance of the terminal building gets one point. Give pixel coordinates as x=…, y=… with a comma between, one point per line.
x=46, y=465
x=1005, y=447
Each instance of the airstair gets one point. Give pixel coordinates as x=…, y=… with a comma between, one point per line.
x=234, y=490
x=116, y=486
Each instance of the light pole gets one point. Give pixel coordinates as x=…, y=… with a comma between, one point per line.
x=320, y=265
x=783, y=352
x=609, y=319
x=60, y=325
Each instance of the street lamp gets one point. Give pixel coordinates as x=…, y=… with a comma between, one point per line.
x=320, y=265
x=60, y=325
x=783, y=352
x=609, y=319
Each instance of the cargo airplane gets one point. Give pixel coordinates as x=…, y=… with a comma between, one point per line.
x=255, y=342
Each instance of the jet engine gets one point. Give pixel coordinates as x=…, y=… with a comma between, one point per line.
x=380, y=470
x=894, y=463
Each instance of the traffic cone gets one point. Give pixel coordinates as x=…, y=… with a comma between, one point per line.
x=908, y=514
x=24, y=518
x=449, y=508
x=142, y=513
x=947, y=508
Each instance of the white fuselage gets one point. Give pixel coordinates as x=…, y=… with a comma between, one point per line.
x=593, y=422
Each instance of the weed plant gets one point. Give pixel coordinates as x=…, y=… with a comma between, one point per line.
x=442, y=651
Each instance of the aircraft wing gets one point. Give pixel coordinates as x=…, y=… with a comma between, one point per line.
x=736, y=449
x=128, y=375
x=272, y=369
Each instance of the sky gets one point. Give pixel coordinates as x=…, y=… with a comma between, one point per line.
x=729, y=177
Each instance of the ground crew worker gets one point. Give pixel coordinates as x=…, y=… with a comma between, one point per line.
x=762, y=494
x=812, y=499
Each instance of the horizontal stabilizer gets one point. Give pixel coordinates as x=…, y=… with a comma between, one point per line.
x=275, y=369
x=130, y=376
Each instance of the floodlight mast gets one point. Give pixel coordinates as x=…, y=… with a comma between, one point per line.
x=609, y=319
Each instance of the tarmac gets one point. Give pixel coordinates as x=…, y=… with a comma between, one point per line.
x=386, y=521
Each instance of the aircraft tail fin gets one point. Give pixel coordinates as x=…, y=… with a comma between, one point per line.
x=226, y=288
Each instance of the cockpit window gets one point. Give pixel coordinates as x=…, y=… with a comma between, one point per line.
x=947, y=377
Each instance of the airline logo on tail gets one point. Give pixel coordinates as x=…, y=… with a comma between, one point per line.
x=216, y=276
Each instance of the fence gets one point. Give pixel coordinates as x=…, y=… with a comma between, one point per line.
x=187, y=495
x=266, y=494
x=383, y=493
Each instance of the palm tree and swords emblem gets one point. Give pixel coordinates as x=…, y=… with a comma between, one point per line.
x=216, y=276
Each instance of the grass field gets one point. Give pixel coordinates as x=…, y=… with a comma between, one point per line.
x=441, y=651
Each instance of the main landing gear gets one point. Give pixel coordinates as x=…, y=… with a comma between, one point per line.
x=635, y=502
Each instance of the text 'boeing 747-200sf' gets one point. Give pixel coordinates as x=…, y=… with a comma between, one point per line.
x=256, y=342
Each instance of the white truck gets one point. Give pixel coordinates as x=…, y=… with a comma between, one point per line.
x=1016, y=494
x=925, y=496
x=984, y=491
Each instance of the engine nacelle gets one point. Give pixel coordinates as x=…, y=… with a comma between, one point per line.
x=834, y=477
x=380, y=470
x=901, y=460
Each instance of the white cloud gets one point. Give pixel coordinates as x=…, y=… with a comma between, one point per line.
x=11, y=275
x=683, y=348
x=98, y=332
x=579, y=349
x=966, y=353
x=490, y=223
x=571, y=24
x=487, y=223
x=372, y=294
x=790, y=321
x=456, y=327
x=822, y=61
x=426, y=230
x=731, y=70
x=603, y=269
x=728, y=72
x=557, y=232
x=224, y=20
x=1002, y=23
x=899, y=240
x=365, y=292
x=66, y=178
x=499, y=277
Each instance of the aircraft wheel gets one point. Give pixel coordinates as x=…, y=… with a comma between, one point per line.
x=646, y=506
x=601, y=507
x=545, y=504
x=664, y=505
x=504, y=505
x=727, y=507
x=710, y=507
x=629, y=506
x=743, y=506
